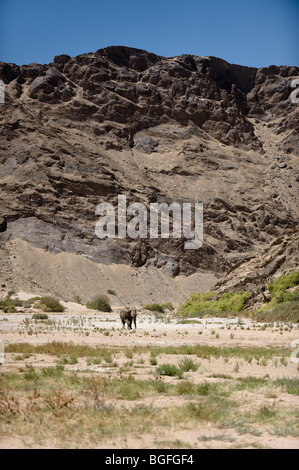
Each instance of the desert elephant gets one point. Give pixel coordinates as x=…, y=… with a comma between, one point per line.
x=127, y=315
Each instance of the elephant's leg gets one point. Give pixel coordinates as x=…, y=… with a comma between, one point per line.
x=128, y=323
x=134, y=319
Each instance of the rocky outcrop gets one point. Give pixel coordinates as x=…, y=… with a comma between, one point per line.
x=255, y=273
x=82, y=130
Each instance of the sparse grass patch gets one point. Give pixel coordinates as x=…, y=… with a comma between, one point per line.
x=212, y=409
x=288, y=385
x=21, y=357
x=185, y=388
x=56, y=371
x=221, y=376
x=129, y=353
x=57, y=348
x=266, y=412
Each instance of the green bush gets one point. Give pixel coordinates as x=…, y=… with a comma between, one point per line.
x=154, y=307
x=284, y=282
x=111, y=292
x=169, y=369
x=168, y=305
x=278, y=289
x=40, y=316
x=33, y=299
x=283, y=306
x=187, y=364
x=101, y=303
x=287, y=297
x=8, y=305
x=50, y=304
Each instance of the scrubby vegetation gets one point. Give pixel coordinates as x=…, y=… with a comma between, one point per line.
x=50, y=304
x=286, y=312
x=8, y=304
x=101, y=303
x=47, y=304
x=283, y=304
x=57, y=348
x=212, y=303
x=168, y=306
x=159, y=308
x=154, y=307
x=111, y=292
x=71, y=408
x=40, y=316
x=278, y=288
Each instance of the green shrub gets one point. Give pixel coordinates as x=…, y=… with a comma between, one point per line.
x=284, y=282
x=50, y=304
x=168, y=305
x=185, y=388
x=8, y=305
x=154, y=307
x=187, y=364
x=33, y=299
x=40, y=316
x=278, y=291
x=101, y=303
x=111, y=292
x=169, y=369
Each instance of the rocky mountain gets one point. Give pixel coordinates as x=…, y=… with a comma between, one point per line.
x=121, y=121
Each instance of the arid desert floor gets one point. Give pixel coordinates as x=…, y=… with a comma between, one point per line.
x=78, y=380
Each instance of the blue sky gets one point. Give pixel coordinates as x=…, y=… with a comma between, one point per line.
x=255, y=33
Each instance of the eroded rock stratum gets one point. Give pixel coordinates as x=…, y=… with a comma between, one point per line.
x=80, y=131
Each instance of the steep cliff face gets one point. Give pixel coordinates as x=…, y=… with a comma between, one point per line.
x=83, y=130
